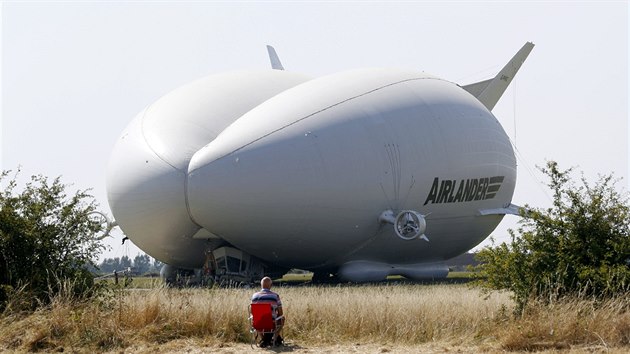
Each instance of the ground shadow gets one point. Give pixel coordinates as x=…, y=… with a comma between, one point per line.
x=287, y=347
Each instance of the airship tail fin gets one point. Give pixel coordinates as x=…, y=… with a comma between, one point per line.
x=490, y=91
x=273, y=57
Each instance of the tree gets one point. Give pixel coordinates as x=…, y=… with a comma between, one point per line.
x=142, y=263
x=109, y=265
x=578, y=247
x=125, y=262
x=157, y=265
x=47, y=239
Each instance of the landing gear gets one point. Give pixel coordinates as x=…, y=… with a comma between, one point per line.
x=179, y=277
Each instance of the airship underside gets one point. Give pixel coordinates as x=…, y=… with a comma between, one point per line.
x=362, y=174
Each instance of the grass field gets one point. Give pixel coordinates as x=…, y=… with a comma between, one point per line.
x=138, y=282
x=292, y=278
x=337, y=317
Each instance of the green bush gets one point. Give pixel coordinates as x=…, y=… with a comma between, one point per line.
x=46, y=239
x=578, y=247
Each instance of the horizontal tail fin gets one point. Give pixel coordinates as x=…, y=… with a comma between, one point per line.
x=490, y=91
x=509, y=210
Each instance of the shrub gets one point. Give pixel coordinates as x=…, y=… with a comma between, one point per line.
x=46, y=237
x=579, y=246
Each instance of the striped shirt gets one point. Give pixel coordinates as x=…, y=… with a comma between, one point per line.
x=267, y=296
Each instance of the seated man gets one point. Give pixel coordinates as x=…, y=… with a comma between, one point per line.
x=265, y=295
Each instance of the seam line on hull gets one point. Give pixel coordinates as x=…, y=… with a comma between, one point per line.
x=146, y=141
x=182, y=171
x=190, y=216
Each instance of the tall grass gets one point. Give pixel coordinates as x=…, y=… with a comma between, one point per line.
x=603, y=324
x=397, y=314
x=407, y=314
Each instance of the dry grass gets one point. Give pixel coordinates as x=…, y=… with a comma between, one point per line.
x=407, y=314
x=404, y=315
x=569, y=323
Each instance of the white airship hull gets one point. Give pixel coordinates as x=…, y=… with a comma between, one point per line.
x=279, y=170
x=301, y=179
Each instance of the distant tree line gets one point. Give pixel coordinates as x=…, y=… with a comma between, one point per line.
x=141, y=264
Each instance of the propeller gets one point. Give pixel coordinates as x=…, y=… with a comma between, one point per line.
x=408, y=224
x=109, y=223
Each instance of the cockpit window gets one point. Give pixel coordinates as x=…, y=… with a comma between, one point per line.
x=233, y=264
x=221, y=262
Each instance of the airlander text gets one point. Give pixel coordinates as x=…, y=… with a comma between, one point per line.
x=454, y=191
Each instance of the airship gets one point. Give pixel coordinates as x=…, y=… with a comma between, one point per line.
x=355, y=176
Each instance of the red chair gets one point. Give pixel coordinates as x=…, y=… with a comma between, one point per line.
x=262, y=321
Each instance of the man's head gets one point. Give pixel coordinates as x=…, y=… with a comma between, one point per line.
x=265, y=283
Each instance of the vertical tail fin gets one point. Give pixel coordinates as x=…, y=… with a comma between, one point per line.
x=273, y=57
x=490, y=91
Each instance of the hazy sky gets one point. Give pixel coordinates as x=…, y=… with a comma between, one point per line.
x=75, y=73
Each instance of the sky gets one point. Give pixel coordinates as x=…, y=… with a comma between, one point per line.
x=75, y=73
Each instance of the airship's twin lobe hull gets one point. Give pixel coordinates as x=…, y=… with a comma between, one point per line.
x=308, y=174
x=147, y=172
x=301, y=179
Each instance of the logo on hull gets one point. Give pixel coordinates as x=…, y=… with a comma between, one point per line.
x=473, y=189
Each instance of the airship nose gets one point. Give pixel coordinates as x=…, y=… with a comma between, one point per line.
x=218, y=182
x=275, y=189
x=148, y=170
x=146, y=196
x=244, y=194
